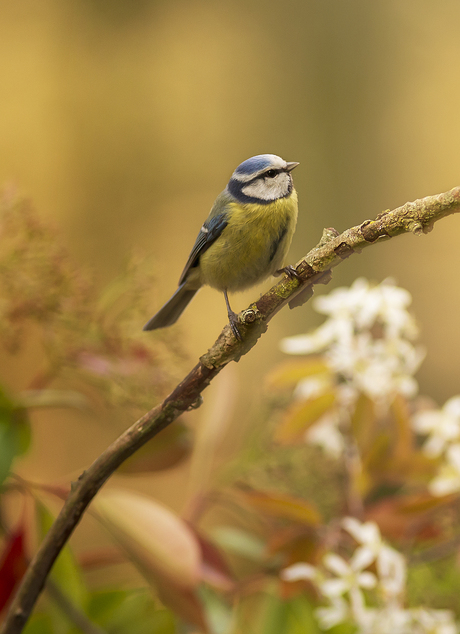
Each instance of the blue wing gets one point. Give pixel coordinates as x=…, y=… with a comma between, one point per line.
x=209, y=232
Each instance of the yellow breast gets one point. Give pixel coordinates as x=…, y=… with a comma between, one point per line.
x=252, y=246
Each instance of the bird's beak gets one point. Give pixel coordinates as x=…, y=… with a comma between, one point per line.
x=290, y=166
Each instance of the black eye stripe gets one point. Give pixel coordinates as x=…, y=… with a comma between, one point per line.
x=271, y=173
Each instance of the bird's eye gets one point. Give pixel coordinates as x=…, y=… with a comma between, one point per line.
x=271, y=173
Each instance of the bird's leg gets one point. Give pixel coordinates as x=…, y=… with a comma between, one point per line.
x=232, y=318
x=290, y=272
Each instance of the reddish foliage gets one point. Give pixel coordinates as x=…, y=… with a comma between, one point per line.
x=13, y=564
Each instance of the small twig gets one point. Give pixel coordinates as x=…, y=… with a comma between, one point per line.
x=417, y=217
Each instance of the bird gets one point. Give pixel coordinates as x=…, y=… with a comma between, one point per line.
x=244, y=240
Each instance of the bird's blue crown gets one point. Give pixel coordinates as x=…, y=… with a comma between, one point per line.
x=255, y=164
x=247, y=182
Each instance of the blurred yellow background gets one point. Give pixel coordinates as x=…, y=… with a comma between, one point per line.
x=122, y=121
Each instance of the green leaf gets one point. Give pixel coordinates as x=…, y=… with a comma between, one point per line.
x=14, y=433
x=102, y=605
x=65, y=572
x=8, y=448
x=343, y=628
x=294, y=616
x=240, y=542
x=23, y=432
x=274, y=616
x=39, y=623
x=131, y=611
x=435, y=583
x=219, y=614
x=301, y=616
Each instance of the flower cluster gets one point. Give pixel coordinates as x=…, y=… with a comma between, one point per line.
x=442, y=428
x=367, y=339
x=368, y=344
x=349, y=586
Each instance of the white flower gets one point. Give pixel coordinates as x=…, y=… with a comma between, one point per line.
x=377, y=367
x=365, y=305
x=448, y=479
x=350, y=579
x=391, y=565
x=344, y=590
x=367, y=534
x=433, y=621
x=392, y=572
x=300, y=571
x=367, y=339
x=325, y=433
x=441, y=426
x=391, y=619
x=349, y=575
x=338, y=611
x=313, y=386
x=316, y=341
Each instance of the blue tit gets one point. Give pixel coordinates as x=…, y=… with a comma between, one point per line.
x=244, y=239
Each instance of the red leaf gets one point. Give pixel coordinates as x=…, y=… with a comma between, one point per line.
x=214, y=569
x=395, y=522
x=13, y=564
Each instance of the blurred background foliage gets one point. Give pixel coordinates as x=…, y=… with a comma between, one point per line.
x=122, y=121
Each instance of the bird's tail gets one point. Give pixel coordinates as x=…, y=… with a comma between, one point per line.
x=172, y=310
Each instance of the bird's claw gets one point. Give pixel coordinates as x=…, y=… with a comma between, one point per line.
x=290, y=271
x=233, y=320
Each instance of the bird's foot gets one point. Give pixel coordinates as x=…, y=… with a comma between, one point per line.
x=233, y=321
x=290, y=271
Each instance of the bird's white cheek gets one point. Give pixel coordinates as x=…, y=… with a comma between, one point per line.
x=258, y=189
x=268, y=188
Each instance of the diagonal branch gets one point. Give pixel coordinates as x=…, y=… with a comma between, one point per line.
x=417, y=217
